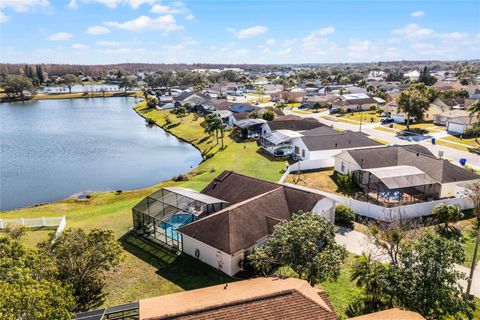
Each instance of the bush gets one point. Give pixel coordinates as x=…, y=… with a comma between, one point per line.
x=344, y=215
x=345, y=182
x=180, y=177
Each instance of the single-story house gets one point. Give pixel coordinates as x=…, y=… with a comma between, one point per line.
x=223, y=239
x=165, y=99
x=279, y=142
x=186, y=97
x=248, y=128
x=166, y=106
x=443, y=117
x=239, y=116
x=460, y=125
x=289, y=96
x=258, y=298
x=323, y=101
x=226, y=116
x=448, y=104
x=281, y=123
x=354, y=102
x=398, y=173
x=321, y=144
x=241, y=107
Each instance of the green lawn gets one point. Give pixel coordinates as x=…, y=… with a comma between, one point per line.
x=76, y=95
x=142, y=275
x=468, y=141
x=364, y=116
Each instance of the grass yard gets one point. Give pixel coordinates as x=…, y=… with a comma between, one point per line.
x=468, y=141
x=320, y=180
x=340, y=119
x=144, y=273
x=365, y=116
x=444, y=143
x=428, y=126
x=385, y=129
x=76, y=95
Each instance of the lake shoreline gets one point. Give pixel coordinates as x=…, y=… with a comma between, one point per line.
x=108, y=191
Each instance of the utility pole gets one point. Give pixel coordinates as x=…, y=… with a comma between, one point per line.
x=361, y=117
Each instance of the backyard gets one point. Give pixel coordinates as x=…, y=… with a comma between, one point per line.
x=149, y=271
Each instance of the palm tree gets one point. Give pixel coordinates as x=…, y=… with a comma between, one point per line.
x=214, y=124
x=474, y=110
x=370, y=275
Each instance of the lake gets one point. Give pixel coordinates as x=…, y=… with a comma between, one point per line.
x=53, y=149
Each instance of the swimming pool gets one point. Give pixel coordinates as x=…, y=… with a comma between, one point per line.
x=176, y=221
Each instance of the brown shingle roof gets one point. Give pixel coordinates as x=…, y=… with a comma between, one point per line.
x=256, y=205
x=259, y=299
x=294, y=125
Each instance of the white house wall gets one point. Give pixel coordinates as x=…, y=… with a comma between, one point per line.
x=212, y=256
x=326, y=209
x=349, y=164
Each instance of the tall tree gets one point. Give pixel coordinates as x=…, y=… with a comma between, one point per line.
x=69, y=80
x=28, y=285
x=426, y=280
x=414, y=103
x=17, y=85
x=39, y=72
x=214, y=124
x=306, y=244
x=82, y=260
x=127, y=83
x=446, y=213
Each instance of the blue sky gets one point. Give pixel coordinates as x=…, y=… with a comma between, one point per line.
x=117, y=31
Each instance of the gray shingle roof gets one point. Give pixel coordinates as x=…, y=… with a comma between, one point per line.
x=338, y=140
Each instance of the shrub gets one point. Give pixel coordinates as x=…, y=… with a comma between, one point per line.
x=373, y=107
x=345, y=182
x=15, y=231
x=344, y=215
x=268, y=115
x=180, y=177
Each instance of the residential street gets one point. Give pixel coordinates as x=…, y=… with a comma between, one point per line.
x=357, y=242
x=448, y=153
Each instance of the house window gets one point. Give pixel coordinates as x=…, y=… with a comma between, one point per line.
x=303, y=153
x=296, y=150
x=343, y=166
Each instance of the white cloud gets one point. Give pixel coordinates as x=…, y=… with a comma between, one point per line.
x=391, y=53
x=107, y=43
x=79, y=46
x=176, y=7
x=165, y=24
x=176, y=48
x=73, y=4
x=135, y=4
x=189, y=17
x=452, y=36
x=323, y=32
x=358, y=47
x=284, y=52
x=242, y=52
x=60, y=36
x=271, y=42
x=248, y=32
x=317, y=44
x=413, y=31
x=110, y=3
x=22, y=5
x=96, y=30
x=289, y=42
x=418, y=14
x=3, y=17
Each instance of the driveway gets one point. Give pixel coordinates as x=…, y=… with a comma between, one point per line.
x=357, y=242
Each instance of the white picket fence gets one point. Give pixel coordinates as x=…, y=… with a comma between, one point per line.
x=380, y=213
x=56, y=222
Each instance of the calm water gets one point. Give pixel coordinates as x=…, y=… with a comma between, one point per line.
x=53, y=149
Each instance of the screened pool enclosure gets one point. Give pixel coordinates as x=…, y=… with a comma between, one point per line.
x=160, y=214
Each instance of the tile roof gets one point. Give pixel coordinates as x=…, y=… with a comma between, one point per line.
x=256, y=205
x=259, y=299
x=391, y=314
x=412, y=155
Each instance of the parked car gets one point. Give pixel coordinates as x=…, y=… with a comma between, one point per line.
x=334, y=110
x=386, y=120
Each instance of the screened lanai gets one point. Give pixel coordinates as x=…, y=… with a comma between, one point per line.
x=279, y=142
x=398, y=184
x=160, y=214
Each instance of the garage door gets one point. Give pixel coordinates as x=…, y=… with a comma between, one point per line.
x=455, y=127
